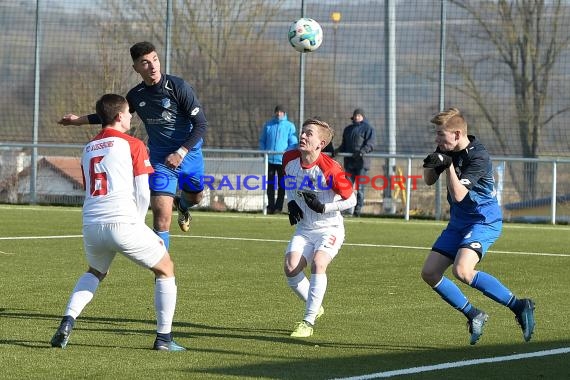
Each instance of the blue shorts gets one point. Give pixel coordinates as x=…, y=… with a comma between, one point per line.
x=478, y=237
x=188, y=177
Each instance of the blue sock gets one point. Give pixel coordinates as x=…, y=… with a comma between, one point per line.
x=492, y=288
x=165, y=236
x=452, y=295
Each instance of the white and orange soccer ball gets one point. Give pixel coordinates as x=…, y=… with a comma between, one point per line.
x=305, y=35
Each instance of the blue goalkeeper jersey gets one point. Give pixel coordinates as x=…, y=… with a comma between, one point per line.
x=474, y=169
x=171, y=113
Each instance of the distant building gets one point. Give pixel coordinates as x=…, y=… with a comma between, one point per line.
x=59, y=181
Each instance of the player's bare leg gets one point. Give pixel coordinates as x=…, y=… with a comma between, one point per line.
x=161, y=206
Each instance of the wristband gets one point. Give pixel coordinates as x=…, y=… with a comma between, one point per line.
x=182, y=152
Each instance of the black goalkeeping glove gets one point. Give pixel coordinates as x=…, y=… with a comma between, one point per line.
x=437, y=161
x=313, y=203
x=295, y=212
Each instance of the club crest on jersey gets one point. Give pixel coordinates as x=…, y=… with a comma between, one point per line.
x=165, y=102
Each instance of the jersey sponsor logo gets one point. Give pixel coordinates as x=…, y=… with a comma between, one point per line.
x=465, y=182
x=195, y=111
x=165, y=102
x=142, y=104
x=167, y=116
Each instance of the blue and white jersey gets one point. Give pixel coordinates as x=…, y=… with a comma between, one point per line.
x=474, y=169
x=170, y=112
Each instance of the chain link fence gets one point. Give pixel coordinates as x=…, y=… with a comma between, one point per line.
x=503, y=63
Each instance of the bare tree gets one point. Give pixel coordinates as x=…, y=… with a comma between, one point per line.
x=228, y=52
x=525, y=43
x=216, y=46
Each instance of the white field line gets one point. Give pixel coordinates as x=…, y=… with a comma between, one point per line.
x=462, y=363
x=286, y=241
x=232, y=215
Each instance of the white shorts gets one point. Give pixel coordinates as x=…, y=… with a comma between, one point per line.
x=137, y=242
x=326, y=239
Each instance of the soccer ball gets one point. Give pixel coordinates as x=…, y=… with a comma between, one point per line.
x=305, y=35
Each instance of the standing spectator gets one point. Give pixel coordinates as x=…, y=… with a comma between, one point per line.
x=475, y=223
x=115, y=170
x=175, y=123
x=358, y=139
x=315, y=210
x=278, y=134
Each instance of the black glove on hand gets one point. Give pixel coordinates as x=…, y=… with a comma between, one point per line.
x=313, y=203
x=437, y=161
x=357, y=155
x=295, y=212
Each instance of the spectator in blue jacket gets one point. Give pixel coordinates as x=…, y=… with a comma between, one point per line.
x=358, y=139
x=278, y=135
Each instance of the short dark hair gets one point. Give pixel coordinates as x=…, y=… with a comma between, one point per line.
x=327, y=132
x=109, y=106
x=141, y=48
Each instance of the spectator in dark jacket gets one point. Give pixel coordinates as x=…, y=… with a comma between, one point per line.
x=358, y=139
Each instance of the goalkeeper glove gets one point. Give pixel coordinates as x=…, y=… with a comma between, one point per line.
x=313, y=203
x=437, y=161
x=295, y=212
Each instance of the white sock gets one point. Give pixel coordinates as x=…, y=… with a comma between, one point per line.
x=300, y=286
x=316, y=294
x=164, y=303
x=82, y=294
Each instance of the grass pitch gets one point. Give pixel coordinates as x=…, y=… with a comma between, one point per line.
x=235, y=311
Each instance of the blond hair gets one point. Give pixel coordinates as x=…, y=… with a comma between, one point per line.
x=326, y=131
x=451, y=120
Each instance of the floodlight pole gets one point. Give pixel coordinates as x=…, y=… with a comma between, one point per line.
x=168, y=39
x=34, y=158
x=390, y=98
x=442, y=36
x=335, y=17
x=302, y=78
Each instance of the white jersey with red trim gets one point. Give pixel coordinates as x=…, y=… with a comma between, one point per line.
x=325, y=178
x=110, y=163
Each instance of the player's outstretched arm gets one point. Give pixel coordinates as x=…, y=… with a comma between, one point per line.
x=71, y=119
